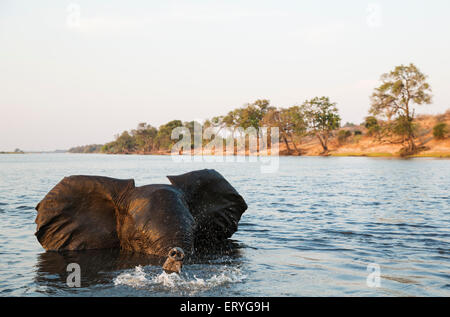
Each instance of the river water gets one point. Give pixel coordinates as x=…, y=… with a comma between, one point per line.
x=316, y=227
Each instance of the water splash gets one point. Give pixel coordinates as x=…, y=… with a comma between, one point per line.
x=186, y=282
x=136, y=279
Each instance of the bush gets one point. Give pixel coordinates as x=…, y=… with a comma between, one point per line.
x=440, y=130
x=372, y=125
x=370, y=122
x=343, y=135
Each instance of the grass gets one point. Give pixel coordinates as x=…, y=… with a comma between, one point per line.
x=382, y=154
x=432, y=154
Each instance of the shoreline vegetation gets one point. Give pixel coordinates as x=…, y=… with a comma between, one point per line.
x=314, y=128
x=391, y=128
x=16, y=151
x=349, y=140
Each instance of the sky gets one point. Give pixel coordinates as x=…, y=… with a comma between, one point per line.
x=80, y=72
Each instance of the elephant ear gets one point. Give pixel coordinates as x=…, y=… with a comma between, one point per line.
x=79, y=213
x=215, y=205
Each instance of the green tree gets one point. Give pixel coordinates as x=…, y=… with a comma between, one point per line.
x=196, y=131
x=145, y=136
x=290, y=122
x=394, y=98
x=323, y=117
x=163, y=137
x=230, y=120
x=252, y=114
x=440, y=130
x=125, y=143
x=372, y=125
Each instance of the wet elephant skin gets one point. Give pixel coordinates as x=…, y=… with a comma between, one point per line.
x=198, y=209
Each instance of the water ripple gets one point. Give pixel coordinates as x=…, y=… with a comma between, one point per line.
x=311, y=229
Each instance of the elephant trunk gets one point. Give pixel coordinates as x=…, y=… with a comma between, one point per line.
x=174, y=261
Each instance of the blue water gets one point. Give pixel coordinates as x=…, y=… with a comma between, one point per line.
x=311, y=229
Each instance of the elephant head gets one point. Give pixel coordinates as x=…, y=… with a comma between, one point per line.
x=215, y=205
x=154, y=219
x=95, y=212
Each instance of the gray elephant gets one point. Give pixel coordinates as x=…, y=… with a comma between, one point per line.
x=197, y=211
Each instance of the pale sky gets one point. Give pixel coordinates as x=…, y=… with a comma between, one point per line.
x=79, y=72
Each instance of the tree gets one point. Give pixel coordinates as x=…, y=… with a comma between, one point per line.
x=322, y=117
x=196, y=131
x=163, y=138
x=372, y=126
x=290, y=122
x=252, y=114
x=125, y=143
x=145, y=135
x=394, y=98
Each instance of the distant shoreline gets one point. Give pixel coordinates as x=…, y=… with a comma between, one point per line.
x=444, y=155
x=348, y=141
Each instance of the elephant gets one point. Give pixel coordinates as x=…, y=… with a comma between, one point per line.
x=198, y=210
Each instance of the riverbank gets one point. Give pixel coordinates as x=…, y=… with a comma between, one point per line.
x=360, y=142
x=350, y=140
x=332, y=153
